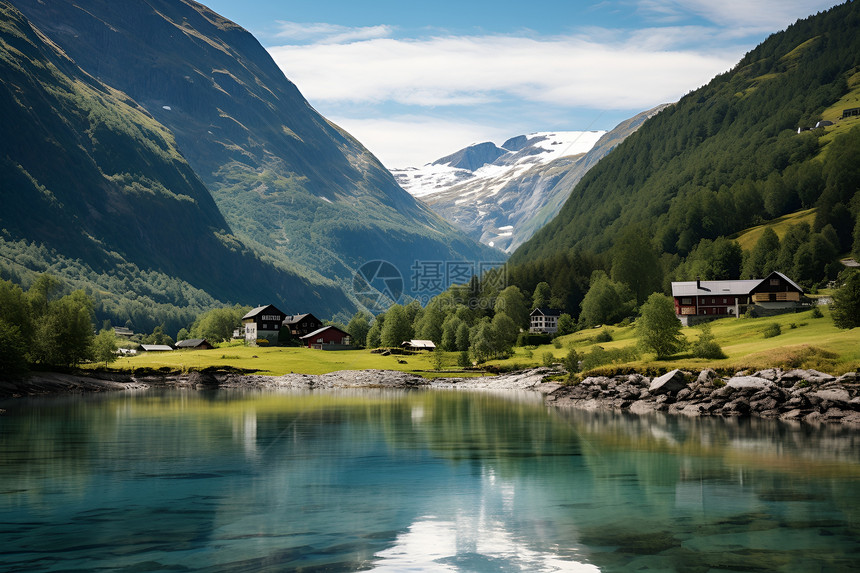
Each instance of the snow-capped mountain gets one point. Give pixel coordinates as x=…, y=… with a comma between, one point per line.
x=503, y=195
x=486, y=162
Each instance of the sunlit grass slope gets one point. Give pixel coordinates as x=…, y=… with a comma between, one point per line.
x=805, y=342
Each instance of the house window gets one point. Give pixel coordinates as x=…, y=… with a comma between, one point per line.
x=774, y=282
x=686, y=300
x=725, y=301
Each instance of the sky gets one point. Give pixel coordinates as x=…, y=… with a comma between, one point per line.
x=416, y=81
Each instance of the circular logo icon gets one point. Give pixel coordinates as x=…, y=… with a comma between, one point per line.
x=377, y=285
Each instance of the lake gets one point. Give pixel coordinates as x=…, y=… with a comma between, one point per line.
x=372, y=480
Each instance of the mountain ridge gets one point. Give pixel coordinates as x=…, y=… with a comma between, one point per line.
x=102, y=188
x=288, y=181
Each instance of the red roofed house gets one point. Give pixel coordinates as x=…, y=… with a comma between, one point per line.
x=328, y=338
x=698, y=301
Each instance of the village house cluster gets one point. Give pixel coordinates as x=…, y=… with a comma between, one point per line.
x=700, y=301
x=266, y=323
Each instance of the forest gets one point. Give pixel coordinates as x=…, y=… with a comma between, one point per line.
x=667, y=203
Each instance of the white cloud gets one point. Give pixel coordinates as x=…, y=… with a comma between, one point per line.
x=639, y=72
x=328, y=33
x=758, y=16
x=413, y=140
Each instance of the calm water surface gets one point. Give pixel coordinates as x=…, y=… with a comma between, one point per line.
x=414, y=481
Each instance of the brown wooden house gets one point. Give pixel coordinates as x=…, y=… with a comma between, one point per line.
x=698, y=301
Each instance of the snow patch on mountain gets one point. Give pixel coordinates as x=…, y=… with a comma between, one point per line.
x=514, y=157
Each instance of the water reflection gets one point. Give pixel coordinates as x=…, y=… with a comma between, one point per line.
x=394, y=480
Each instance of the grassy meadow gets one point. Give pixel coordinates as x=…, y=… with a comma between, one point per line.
x=804, y=342
x=277, y=361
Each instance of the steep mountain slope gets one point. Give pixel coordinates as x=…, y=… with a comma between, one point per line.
x=103, y=191
x=729, y=155
x=488, y=191
x=298, y=186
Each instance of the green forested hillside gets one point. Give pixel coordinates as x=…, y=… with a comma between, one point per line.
x=288, y=182
x=94, y=190
x=726, y=157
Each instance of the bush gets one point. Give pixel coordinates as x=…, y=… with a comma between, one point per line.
x=816, y=312
x=556, y=343
x=772, y=330
x=532, y=339
x=571, y=361
x=463, y=360
x=600, y=356
x=548, y=359
x=707, y=345
x=603, y=336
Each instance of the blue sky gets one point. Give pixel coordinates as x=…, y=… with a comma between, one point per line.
x=417, y=81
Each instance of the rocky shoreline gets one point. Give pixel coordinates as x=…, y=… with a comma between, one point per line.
x=797, y=395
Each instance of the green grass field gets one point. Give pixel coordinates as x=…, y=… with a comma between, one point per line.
x=278, y=361
x=809, y=343
x=805, y=342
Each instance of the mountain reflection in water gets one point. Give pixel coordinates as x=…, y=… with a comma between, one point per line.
x=420, y=480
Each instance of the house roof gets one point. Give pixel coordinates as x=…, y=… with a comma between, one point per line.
x=320, y=330
x=705, y=288
x=190, y=343
x=155, y=347
x=783, y=277
x=724, y=288
x=418, y=343
x=259, y=310
x=294, y=318
x=545, y=311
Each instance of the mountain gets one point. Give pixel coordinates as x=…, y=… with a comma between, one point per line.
x=734, y=153
x=96, y=191
x=290, y=183
x=489, y=191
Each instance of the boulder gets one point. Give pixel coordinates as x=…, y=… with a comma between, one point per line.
x=748, y=383
x=670, y=382
x=811, y=376
x=705, y=376
x=834, y=395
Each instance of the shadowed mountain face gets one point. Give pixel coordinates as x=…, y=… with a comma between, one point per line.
x=300, y=188
x=89, y=175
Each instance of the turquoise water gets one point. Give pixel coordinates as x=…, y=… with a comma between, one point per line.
x=414, y=481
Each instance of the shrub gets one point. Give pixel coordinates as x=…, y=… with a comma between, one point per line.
x=707, y=345
x=816, y=312
x=548, y=359
x=772, y=330
x=463, y=360
x=603, y=336
x=532, y=339
x=556, y=343
x=571, y=361
x=598, y=356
